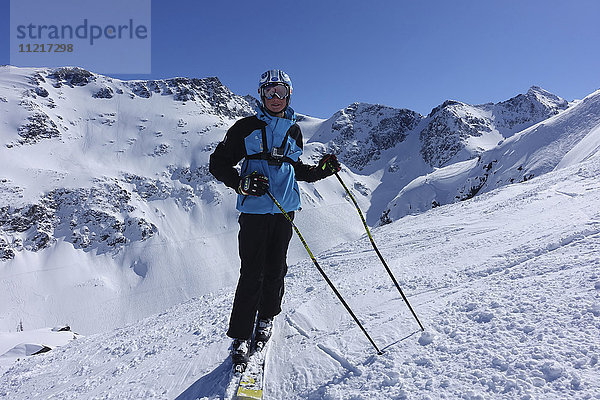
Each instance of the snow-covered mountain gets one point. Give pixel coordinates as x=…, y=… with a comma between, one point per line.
x=106, y=203
x=560, y=141
x=397, y=146
x=457, y=131
x=80, y=110
x=359, y=133
x=453, y=131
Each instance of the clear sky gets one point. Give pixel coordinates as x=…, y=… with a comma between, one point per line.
x=409, y=54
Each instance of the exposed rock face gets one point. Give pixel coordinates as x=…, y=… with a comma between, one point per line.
x=449, y=126
x=104, y=93
x=39, y=127
x=217, y=98
x=452, y=124
x=96, y=218
x=362, y=131
x=71, y=76
x=519, y=112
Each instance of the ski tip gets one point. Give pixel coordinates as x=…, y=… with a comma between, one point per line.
x=257, y=396
x=249, y=394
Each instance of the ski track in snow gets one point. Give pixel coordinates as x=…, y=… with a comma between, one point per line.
x=507, y=285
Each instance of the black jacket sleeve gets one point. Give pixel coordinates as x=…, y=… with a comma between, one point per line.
x=228, y=153
x=308, y=173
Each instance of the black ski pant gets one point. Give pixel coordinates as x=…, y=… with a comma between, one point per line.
x=263, y=243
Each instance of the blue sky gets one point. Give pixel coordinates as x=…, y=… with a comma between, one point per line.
x=405, y=54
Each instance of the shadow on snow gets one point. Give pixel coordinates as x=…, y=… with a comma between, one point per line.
x=213, y=384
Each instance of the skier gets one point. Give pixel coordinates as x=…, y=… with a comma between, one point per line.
x=270, y=143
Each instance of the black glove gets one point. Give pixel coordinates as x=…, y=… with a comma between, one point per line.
x=254, y=184
x=329, y=165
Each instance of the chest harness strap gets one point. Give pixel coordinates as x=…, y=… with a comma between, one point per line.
x=277, y=155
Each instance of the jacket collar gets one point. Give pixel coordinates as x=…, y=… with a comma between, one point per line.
x=263, y=115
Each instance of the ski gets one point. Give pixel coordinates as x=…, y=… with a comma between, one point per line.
x=251, y=382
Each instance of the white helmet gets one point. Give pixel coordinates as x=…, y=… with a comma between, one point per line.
x=274, y=76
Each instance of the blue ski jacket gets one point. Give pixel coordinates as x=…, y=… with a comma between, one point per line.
x=254, y=139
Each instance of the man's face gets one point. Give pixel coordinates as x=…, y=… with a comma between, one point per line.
x=275, y=96
x=275, y=105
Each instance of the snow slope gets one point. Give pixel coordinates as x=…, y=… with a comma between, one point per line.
x=108, y=215
x=18, y=345
x=507, y=285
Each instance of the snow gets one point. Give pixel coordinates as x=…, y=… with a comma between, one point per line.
x=17, y=345
x=438, y=186
x=586, y=148
x=506, y=285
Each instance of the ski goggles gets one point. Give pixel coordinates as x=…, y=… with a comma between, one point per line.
x=275, y=89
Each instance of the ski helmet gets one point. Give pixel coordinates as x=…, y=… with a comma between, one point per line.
x=274, y=76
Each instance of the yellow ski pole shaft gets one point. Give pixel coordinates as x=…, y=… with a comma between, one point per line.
x=314, y=260
x=389, y=271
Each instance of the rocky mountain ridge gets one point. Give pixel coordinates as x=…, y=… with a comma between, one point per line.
x=400, y=145
x=454, y=131
x=360, y=132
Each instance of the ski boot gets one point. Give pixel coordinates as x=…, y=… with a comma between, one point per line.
x=240, y=352
x=262, y=332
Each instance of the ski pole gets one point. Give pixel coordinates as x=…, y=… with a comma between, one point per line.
x=314, y=260
x=377, y=250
